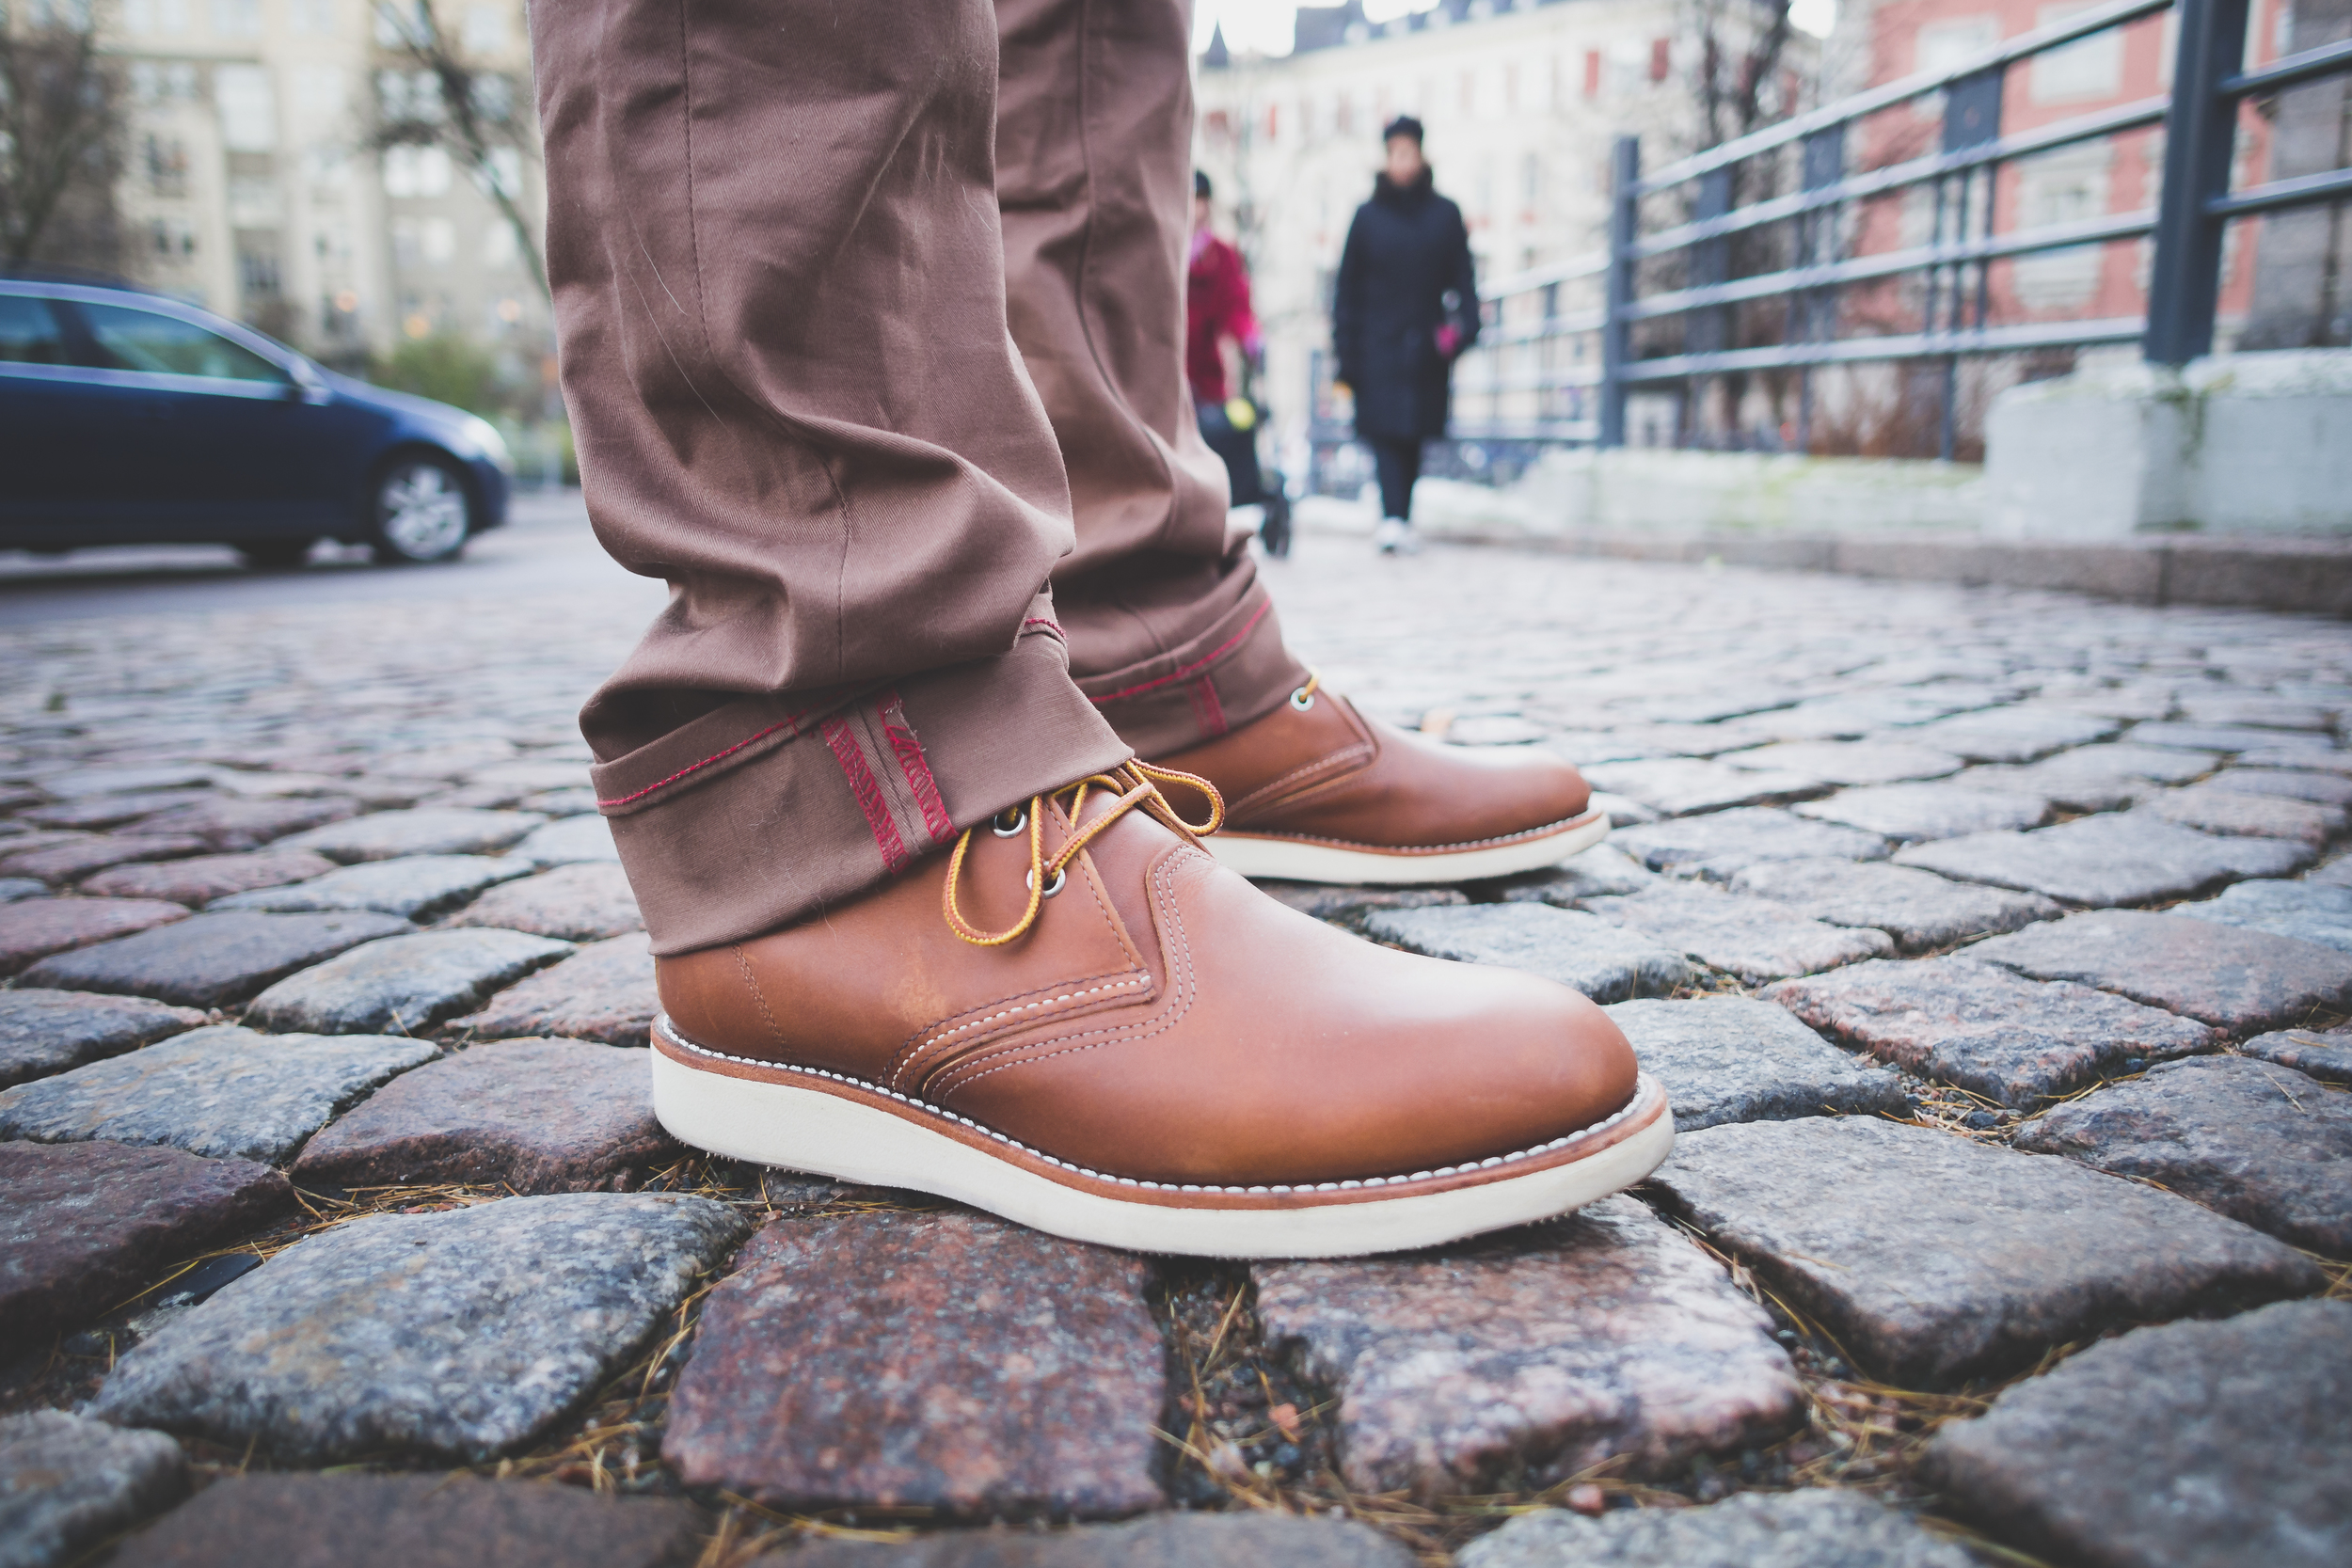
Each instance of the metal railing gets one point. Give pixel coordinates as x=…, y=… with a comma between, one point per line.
x=1547, y=375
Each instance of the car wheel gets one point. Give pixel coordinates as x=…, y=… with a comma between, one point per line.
x=421, y=511
x=275, y=555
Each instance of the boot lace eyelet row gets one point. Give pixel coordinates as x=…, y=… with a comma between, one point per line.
x=1132, y=785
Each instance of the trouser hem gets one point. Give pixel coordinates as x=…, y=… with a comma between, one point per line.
x=1227, y=676
x=767, y=811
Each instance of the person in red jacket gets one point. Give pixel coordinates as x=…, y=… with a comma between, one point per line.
x=1217, y=313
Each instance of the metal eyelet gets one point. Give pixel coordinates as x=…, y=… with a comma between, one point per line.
x=1302, y=698
x=1028, y=879
x=998, y=826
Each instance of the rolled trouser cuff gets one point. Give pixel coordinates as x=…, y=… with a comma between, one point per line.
x=768, y=810
x=1219, y=680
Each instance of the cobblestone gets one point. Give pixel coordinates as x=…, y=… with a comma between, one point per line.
x=460, y=1333
x=1165, y=1541
x=1850, y=762
x=414, y=887
x=987, y=1369
x=602, y=992
x=2232, y=978
x=203, y=877
x=43, y=1032
x=2326, y=1057
x=2307, y=911
x=1543, y=1352
x=1581, y=951
x=2013, y=1040
x=1754, y=939
x=1758, y=1529
x=84, y=1226
x=68, y=1482
x=1912, y=811
x=1933, y=1260
x=1918, y=909
x=2115, y=859
x=223, y=1091
x=1730, y=1058
x=235, y=823
x=2215, y=808
x=2326, y=790
x=405, y=984
x=423, y=831
x=2239, y=1437
x=61, y=863
x=210, y=960
x=393, y=1521
x=584, y=902
x=1719, y=846
x=33, y=928
x=2247, y=1138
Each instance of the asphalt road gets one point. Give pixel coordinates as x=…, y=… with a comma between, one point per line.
x=545, y=548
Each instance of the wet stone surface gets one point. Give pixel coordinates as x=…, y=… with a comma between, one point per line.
x=1677, y=786
x=1933, y=1260
x=1580, y=951
x=402, y=984
x=2241, y=1436
x=414, y=887
x=202, y=879
x=82, y=1227
x=461, y=1334
x=2307, y=912
x=1528, y=1357
x=1914, y=811
x=537, y=1116
x=604, y=991
x=1730, y=1058
x=68, y=1482
x=989, y=1369
x=1165, y=1541
x=2013, y=1040
x=43, y=1032
x=211, y=960
x=396, y=1521
x=388, y=835
x=1757, y=1530
x=2236, y=979
x=1754, y=939
x=587, y=902
x=2106, y=860
x=222, y=1091
x=2325, y=1056
x=32, y=928
x=1719, y=846
x=2247, y=1138
x=1918, y=909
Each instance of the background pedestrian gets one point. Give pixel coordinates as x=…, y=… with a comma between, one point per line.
x=1405, y=308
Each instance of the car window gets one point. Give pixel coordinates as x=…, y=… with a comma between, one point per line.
x=135, y=339
x=29, y=332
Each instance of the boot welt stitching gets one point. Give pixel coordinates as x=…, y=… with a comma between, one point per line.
x=669, y=1032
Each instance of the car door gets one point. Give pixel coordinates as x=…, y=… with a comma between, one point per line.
x=61, y=432
x=217, y=450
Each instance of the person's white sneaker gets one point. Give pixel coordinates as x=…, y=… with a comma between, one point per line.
x=1395, y=536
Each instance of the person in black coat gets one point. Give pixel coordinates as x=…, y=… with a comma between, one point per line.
x=1405, y=308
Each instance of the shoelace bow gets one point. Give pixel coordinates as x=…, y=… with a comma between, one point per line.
x=1134, y=784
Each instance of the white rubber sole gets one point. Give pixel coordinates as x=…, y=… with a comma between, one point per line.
x=1299, y=860
x=852, y=1132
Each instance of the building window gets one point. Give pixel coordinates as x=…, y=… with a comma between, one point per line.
x=154, y=16
x=484, y=30
x=237, y=19
x=416, y=171
x=2091, y=68
x=439, y=241
x=166, y=160
x=248, y=108
x=314, y=18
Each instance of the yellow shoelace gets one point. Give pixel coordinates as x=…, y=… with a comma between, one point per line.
x=1133, y=784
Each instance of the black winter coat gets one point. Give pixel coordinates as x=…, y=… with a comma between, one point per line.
x=1406, y=249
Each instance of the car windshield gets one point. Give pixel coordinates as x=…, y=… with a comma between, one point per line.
x=29, y=332
x=138, y=340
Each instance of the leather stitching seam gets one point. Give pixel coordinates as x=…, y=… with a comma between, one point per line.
x=760, y=995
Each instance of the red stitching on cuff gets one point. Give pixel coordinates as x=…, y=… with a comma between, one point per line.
x=868, y=791
x=916, y=767
x=1200, y=664
x=1054, y=627
x=792, y=724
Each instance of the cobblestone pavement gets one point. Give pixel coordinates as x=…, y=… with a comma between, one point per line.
x=1990, y=943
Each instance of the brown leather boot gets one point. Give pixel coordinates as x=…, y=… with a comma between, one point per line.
x=1318, y=793
x=1099, y=1031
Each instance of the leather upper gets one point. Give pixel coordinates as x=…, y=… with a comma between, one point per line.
x=1330, y=774
x=1163, y=1019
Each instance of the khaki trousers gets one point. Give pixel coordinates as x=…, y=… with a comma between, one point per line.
x=871, y=326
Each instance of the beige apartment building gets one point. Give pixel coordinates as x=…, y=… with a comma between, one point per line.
x=1522, y=103
x=250, y=187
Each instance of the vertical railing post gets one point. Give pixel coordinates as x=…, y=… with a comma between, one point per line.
x=2199, y=139
x=1616, y=332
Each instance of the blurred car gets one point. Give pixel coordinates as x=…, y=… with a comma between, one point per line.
x=127, y=418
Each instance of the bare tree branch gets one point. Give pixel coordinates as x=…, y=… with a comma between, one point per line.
x=61, y=128
x=471, y=114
